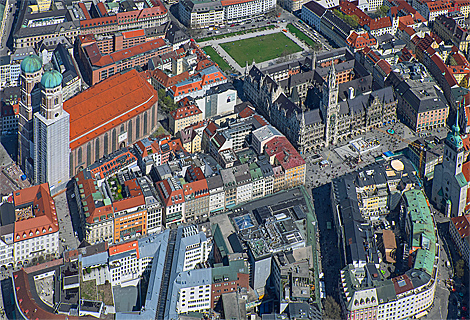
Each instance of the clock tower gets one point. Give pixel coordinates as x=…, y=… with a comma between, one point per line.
x=330, y=106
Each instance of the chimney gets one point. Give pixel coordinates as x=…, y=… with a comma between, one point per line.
x=351, y=93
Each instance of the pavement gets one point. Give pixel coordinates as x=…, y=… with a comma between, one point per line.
x=316, y=175
x=216, y=45
x=66, y=232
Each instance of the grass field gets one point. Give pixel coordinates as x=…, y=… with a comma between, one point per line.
x=261, y=48
x=217, y=59
x=302, y=36
x=226, y=35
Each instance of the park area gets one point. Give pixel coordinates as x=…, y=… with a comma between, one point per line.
x=261, y=48
x=217, y=59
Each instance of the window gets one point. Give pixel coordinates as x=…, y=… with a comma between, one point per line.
x=97, y=149
x=88, y=154
x=105, y=144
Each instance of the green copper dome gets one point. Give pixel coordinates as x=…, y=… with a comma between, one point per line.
x=31, y=64
x=453, y=137
x=51, y=79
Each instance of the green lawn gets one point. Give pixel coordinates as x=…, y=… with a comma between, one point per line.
x=302, y=36
x=261, y=49
x=226, y=35
x=217, y=59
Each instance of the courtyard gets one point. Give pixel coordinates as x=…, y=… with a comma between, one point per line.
x=260, y=48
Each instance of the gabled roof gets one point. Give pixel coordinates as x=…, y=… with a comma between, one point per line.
x=106, y=105
x=42, y=219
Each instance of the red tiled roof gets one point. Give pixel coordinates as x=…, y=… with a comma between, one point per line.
x=106, y=105
x=170, y=197
x=29, y=306
x=350, y=9
x=145, y=13
x=129, y=202
x=168, y=81
x=185, y=112
x=198, y=189
x=84, y=10
x=385, y=66
x=380, y=23
x=245, y=113
x=233, y=2
x=133, y=33
x=96, y=22
x=462, y=224
x=284, y=152
x=43, y=208
x=124, y=247
x=102, y=9
x=89, y=187
x=127, y=53
x=260, y=120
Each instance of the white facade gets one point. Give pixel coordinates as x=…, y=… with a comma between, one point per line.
x=217, y=103
x=239, y=11
x=194, y=299
x=100, y=231
x=374, y=4
x=51, y=149
x=216, y=199
x=244, y=192
x=39, y=245
x=10, y=74
x=6, y=250
x=196, y=253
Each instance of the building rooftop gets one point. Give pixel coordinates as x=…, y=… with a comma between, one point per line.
x=106, y=105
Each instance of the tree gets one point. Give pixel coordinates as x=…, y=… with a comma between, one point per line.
x=459, y=268
x=331, y=309
x=383, y=11
x=353, y=21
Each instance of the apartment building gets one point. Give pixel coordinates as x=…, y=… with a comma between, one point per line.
x=228, y=278
x=282, y=153
x=33, y=28
x=198, y=84
x=459, y=229
x=201, y=14
x=151, y=16
x=171, y=194
x=94, y=208
x=216, y=193
x=183, y=117
x=36, y=228
x=196, y=197
x=153, y=205
x=130, y=213
x=421, y=105
x=97, y=66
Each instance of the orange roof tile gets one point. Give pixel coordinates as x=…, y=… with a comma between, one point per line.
x=185, y=112
x=133, y=34
x=124, y=247
x=106, y=105
x=44, y=221
x=284, y=152
x=30, y=308
x=380, y=23
x=233, y=2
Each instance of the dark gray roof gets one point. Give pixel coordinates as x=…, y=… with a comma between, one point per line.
x=7, y=213
x=175, y=34
x=422, y=96
x=313, y=116
x=62, y=62
x=23, y=31
x=220, y=88
x=214, y=182
x=315, y=7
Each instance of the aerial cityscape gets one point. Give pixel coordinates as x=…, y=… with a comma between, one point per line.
x=234, y=159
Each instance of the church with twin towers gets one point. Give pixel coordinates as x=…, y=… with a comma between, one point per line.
x=57, y=139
